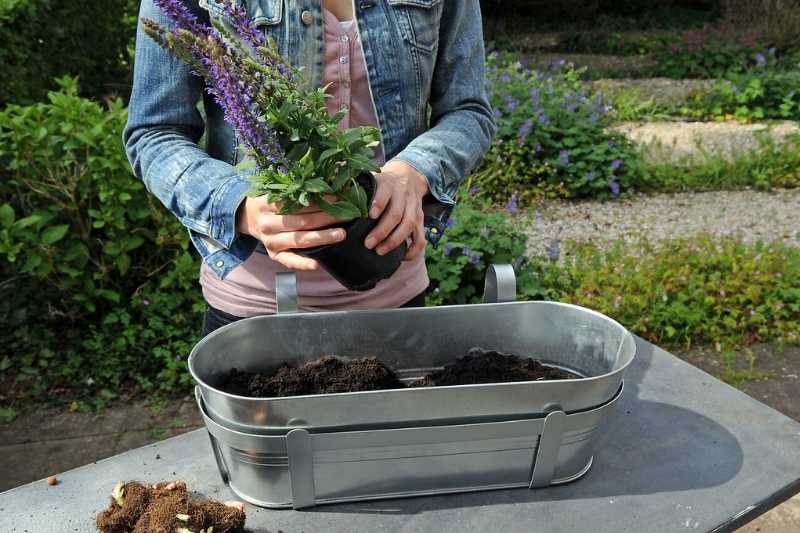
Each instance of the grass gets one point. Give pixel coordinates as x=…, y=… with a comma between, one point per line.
x=772, y=165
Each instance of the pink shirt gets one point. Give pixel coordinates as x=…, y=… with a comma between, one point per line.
x=249, y=289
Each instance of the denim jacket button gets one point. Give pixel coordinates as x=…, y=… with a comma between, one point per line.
x=307, y=17
x=220, y=264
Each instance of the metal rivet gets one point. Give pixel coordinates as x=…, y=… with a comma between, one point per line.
x=307, y=17
x=343, y=60
x=344, y=38
x=220, y=264
x=434, y=231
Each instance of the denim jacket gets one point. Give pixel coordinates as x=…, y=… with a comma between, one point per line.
x=425, y=64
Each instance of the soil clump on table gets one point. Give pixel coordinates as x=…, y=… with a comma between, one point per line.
x=165, y=508
x=332, y=375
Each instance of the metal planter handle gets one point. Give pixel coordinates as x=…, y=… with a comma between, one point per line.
x=286, y=292
x=501, y=284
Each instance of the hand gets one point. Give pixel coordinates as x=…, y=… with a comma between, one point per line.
x=398, y=204
x=282, y=233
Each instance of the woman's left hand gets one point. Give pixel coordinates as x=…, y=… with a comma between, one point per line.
x=398, y=204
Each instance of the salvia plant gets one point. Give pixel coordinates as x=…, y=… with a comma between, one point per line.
x=300, y=156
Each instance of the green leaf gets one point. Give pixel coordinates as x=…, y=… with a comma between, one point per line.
x=123, y=263
x=317, y=185
x=6, y=215
x=327, y=154
x=54, y=234
x=133, y=242
x=341, y=210
x=32, y=263
x=359, y=198
x=27, y=221
x=245, y=164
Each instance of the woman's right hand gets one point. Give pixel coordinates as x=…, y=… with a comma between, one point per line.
x=282, y=233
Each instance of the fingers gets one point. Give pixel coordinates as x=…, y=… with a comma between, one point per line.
x=411, y=216
x=288, y=240
x=392, y=216
x=418, y=242
x=380, y=200
x=307, y=221
x=295, y=262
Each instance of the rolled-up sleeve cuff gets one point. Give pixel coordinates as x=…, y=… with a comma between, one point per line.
x=438, y=211
x=226, y=202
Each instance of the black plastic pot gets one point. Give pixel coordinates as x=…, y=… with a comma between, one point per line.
x=349, y=261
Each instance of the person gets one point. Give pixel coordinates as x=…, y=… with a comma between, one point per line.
x=413, y=68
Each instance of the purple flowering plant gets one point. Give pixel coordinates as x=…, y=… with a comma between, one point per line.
x=297, y=153
x=554, y=138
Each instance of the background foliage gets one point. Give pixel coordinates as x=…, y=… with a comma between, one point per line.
x=41, y=40
x=553, y=138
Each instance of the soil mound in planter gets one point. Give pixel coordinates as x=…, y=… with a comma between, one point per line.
x=163, y=509
x=480, y=366
x=324, y=376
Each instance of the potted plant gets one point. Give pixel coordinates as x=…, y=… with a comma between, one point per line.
x=297, y=154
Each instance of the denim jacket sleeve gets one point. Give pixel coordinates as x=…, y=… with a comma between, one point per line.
x=461, y=119
x=161, y=136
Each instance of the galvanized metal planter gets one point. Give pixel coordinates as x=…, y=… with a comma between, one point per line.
x=306, y=450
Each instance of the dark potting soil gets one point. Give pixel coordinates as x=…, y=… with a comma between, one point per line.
x=330, y=375
x=481, y=366
x=146, y=509
x=324, y=376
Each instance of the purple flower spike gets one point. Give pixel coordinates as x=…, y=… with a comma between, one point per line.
x=544, y=120
x=524, y=131
x=448, y=249
x=511, y=103
x=241, y=22
x=518, y=262
x=450, y=222
x=761, y=60
x=512, y=206
x=473, y=190
x=613, y=185
x=554, y=249
x=616, y=164
x=498, y=113
x=179, y=14
x=563, y=158
x=475, y=259
x=611, y=143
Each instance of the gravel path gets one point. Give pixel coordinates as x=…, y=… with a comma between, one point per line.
x=748, y=215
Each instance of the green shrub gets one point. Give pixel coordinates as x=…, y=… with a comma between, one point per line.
x=84, y=248
x=756, y=95
x=44, y=39
x=475, y=240
x=687, y=291
x=77, y=221
x=553, y=138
